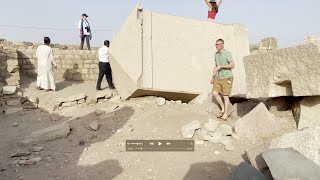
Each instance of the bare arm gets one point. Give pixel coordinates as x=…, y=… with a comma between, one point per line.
x=219, y=3
x=209, y=5
x=229, y=66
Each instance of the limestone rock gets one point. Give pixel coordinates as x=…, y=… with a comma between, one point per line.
x=99, y=112
x=284, y=72
x=245, y=171
x=8, y=90
x=77, y=97
x=15, y=124
x=48, y=134
x=288, y=163
x=225, y=141
x=13, y=110
x=257, y=125
x=307, y=112
x=37, y=148
x=94, y=125
x=20, y=154
x=33, y=99
x=30, y=105
x=305, y=142
x=225, y=129
x=103, y=94
x=242, y=109
x=160, y=101
x=13, y=102
x=215, y=137
x=189, y=129
x=212, y=125
x=229, y=147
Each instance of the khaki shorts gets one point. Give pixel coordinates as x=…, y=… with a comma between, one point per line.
x=223, y=86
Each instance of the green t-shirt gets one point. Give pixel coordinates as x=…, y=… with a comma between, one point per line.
x=223, y=59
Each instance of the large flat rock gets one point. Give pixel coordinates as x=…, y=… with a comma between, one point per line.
x=245, y=171
x=259, y=124
x=161, y=54
x=48, y=134
x=288, y=163
x=284, y=72
x=306, y=142
x=307, y=112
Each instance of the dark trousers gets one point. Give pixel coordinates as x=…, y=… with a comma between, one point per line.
x=87, y=38
x=105, y=69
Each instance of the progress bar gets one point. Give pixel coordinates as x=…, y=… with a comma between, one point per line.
x=159, y=145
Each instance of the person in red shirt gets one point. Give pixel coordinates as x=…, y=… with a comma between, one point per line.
x=213, y=9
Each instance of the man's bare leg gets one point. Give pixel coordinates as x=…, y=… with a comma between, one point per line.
x=226, y=107
x=219, y=100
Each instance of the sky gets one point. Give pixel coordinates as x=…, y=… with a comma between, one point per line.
x=290, y=21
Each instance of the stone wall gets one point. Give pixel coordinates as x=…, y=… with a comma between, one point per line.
x=78, y=65
x=9, y=68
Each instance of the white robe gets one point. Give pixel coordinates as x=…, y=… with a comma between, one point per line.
x=46, y=63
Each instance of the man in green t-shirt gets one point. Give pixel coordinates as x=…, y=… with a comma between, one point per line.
x=222, y=78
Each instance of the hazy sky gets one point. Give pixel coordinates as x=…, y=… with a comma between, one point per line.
x=291, y=21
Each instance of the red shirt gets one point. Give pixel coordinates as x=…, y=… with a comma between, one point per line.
x=212, y=15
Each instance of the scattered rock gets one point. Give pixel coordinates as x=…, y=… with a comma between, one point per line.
x=215, y=137
x=201, y=132
x=8, y=90
x=30, y=105
x=307, y=112
x=225, y=129
x=245, y=171
x=115, y=99
x=19, y=93
x=81, y=101
x=103, y=95
x=289, y=163
x=199, y=142
x=13, y=110
x=114, y=107
x=15, y=124
x=216, y=153
x=20, y=154
x=189, y=129
x=229, y=147
x=179, y=102
x=257, y=125
x=94, y=125
x=23, y=100
x=211, y=126
x=54, y=116
x=99, y=112
x=235, y=136
x=47, y=134
x=21, y=177
x=13, y=102
x=225, y=141
x=305, y=142
x=37, y=148
x=76, y=97
x=33, y=99
x=160, y=101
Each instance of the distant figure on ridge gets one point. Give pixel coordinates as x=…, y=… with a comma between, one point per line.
x=46, y=66
x=213, y=9
x=85, y=31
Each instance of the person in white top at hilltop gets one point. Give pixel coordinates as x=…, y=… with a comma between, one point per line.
x=46, y=67
x=85, y=31
x=104, y=66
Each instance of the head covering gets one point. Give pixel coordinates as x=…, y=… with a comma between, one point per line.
x=85, y=15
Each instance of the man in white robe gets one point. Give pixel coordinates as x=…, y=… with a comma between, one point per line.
x=46, y=67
